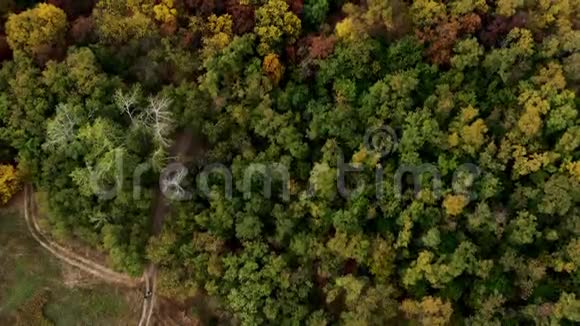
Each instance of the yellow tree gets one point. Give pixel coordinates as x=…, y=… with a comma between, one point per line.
x=427, y=12
x=274, y=23
x=273, y=67
x=217, y=34
x=165, y=11
x=429, y=311
x=467, y=131
x=454, y=204
x=34, y=30
x=119, y=21
x=9, y=183
x=508, y=7
x=574, y=169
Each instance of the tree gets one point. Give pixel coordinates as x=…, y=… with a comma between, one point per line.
x=121, y=254
x=127, y=104
x=255, y=278
x=159, y=119
x=427, y=12
x=219, y=34
x=508, y=8
x=274, y=25
x=9, y=183
x=428, y=311
x=61, y=131
x=273, y=68
x=24, y=109
x=443, y=36
x=323, y=179
x=118, y=22
x=165, y=11
x=37, y=31
x=382, y=261
x=365, y=304
x=243, y=16
x=519, y=46
x=468, y=53
x=523, y=228
x=321, y=47
x=315, y=11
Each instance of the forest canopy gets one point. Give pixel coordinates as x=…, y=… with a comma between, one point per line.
x=424, y=155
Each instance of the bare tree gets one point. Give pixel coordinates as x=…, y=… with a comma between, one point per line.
x=160, y=119
x=125, y=102
x=61, y=130
x=157, y=117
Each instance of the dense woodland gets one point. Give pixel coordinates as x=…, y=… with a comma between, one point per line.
x=300, y=83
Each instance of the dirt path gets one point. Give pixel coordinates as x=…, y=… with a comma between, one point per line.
x=78, y=261
x=66, y=255
x=148, y=303
x=181, y=148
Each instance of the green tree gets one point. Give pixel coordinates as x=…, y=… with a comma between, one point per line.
x=315, y=11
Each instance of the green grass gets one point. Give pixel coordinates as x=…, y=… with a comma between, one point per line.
x=85, y=307
x=27, y=270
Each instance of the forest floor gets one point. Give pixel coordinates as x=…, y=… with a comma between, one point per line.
x=37, y=284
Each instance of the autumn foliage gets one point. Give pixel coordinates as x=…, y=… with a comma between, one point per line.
x=377, y=162
x=273, y=67
x=39, y=32
x=242, y=14
x=320, y=47
x=9, y=183
x=442, y=36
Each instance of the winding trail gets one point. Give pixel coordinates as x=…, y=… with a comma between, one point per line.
x=84, y=264
x=182, y=145
x=67, y=255
x=148, y=304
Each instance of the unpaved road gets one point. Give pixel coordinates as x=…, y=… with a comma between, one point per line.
x=66, y=255
x=148, y=303
x=182, y=147
x=84, y=264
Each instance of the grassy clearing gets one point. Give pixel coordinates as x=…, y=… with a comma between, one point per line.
x=31, y=279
